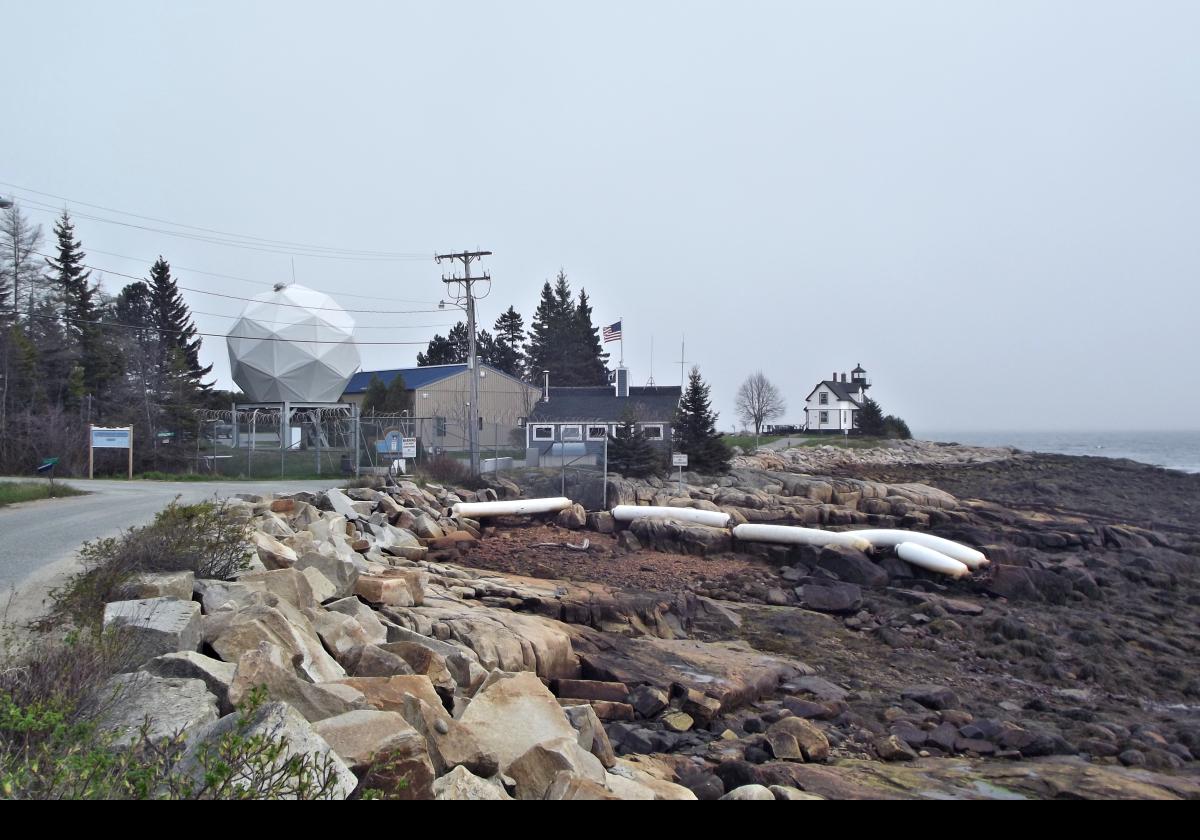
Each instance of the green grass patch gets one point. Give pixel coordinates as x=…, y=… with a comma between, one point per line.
x=844, y=442
x=12, y=492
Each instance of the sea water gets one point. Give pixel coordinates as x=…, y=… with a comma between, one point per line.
x=1173, y=450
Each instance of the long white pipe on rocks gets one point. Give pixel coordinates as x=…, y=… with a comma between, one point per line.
x=628, y=513
x=933, y=561
x=880, y=537
x=795, y=535
x=518, y=507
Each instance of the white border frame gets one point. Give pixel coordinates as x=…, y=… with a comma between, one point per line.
x=562, y=433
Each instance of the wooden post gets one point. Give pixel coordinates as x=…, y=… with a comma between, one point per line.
x=91, y=451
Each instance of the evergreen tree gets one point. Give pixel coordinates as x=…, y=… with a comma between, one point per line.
x=894, y=427
x=562, y=339
x=456, y=348
x=397, y=398
x=73, y=281
x=53, y=350
x=630, y=451
x=870, y=418
x=695, y=429
x=587, y=351
x=21, y=281
x=375, y=397
x=509, y=354
x=173, y=321
x=440, y=351
x=133, y=307
x=547, y=332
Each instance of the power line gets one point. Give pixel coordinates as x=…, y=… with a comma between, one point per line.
x=251, y=279
x=356, y=326
x=145, y=328
x=247, y=237
x=197, y=238
x=250, y=300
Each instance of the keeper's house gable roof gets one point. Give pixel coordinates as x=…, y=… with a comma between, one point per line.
x=601, y=405
x=844, y=391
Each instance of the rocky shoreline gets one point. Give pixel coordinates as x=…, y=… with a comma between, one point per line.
x=568, y=657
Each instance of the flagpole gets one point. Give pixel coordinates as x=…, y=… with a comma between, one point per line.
x=621, y=321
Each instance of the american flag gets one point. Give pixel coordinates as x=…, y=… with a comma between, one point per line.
x=612, y=332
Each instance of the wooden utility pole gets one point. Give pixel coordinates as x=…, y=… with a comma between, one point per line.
x=466, y=258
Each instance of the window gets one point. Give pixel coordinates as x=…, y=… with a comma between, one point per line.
x=597, y=432
x=439, y=426
x=823, y=399
x=618, y=431
x=543, y=433
x=824, y=417
x=571, y=433
x=654, y=432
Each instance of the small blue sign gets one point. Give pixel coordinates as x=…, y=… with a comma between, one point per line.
x=111, y=438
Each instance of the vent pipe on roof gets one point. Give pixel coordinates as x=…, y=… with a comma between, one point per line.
x=546, y=386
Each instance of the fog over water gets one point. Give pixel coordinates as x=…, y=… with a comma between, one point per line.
x=991, y=206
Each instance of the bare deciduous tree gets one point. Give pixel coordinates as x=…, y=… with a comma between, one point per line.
x=759, y=401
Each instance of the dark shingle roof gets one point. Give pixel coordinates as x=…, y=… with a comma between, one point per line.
x=601, y=404
x=842, y=390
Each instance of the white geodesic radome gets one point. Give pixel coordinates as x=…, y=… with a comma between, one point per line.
x=293, y=344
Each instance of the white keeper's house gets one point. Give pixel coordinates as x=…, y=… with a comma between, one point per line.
x=833, y=405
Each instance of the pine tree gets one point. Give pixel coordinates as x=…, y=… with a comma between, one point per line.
x=21, y=281
x=173, y=321
x=510, y=336
x=630, y=451
x=870, y=418
x=397, y=398
x=440, y=351
x=456, y=348
x=562, y=339
x=544, y=351
x=894, y=427
x=72, y=283
x=375, y=397
x=695, y=429
x=587, y=356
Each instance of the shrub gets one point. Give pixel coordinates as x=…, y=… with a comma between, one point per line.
x=48, y=750
x=208, y=539
x=445, y=470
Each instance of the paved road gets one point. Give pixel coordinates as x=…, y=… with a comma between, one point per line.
x=38, y=540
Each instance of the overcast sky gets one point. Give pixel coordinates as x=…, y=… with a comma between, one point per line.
x=992, y=206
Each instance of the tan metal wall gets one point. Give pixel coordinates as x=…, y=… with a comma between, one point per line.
x=502, y=401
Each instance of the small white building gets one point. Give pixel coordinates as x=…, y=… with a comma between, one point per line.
x=833, y=405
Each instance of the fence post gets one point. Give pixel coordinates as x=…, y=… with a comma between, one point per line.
x=604, y=491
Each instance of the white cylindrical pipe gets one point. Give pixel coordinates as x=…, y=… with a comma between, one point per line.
x=517, y=507
x=969, y=557
x=628, y=513
x=933, y=561
x=794, y=535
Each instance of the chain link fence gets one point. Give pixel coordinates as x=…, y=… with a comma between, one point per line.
x=320, y=442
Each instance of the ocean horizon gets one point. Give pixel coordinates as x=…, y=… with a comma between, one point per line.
x=1178, y=450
